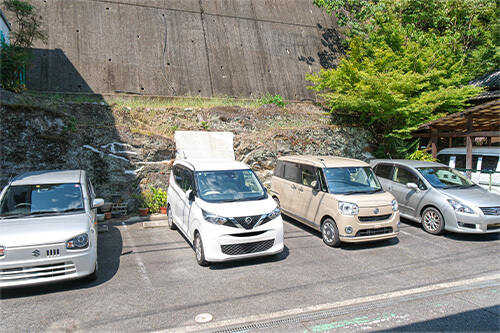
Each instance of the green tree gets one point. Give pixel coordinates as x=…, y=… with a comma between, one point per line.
x=412, y=64
x=15, y=56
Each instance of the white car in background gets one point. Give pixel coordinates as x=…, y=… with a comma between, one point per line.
x=223, y=210
x=48, y=228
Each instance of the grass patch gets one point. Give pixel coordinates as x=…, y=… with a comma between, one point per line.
x=180, y=102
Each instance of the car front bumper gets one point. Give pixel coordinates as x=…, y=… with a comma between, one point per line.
x=225, y=244
x=31, y=265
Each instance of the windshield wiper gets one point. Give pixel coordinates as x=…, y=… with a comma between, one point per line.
x=70, y=210
x=357, y=192
x=13, y=216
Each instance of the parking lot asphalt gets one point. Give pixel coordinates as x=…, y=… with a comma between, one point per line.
x=150, y=281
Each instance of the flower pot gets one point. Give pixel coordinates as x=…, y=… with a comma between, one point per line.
x=143, y=211
x=163, y=210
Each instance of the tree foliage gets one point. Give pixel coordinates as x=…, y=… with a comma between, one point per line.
x=410, y=62
x=15, y=57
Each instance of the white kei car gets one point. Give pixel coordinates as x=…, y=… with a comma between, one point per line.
x=48, y=228
x=223, y=210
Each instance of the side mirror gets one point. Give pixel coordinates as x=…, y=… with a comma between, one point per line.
x=97, y=203
x=190, y=195
x=315, y=185
x=412, y=186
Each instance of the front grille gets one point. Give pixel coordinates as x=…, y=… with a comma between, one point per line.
x=246, y=248
x=493, y=226
x=374, y=218
x=53, y=253
x=373, y=232
x=36, y=272
x=236, y=222
x=491, y=210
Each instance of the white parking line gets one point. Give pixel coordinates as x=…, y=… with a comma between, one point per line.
x=329, y=306
x=142, y=268
x=422, y=238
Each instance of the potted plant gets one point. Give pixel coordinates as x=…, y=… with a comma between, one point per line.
x=159, y=200
x=143, y=199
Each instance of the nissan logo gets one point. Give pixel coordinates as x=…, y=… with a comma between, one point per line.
x=376, y=210
x=36, y=253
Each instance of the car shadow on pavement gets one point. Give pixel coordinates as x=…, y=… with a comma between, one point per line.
x=343, y=246
x=108, y=255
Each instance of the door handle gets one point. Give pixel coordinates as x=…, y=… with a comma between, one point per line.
x=293, y=187
x=301, y=189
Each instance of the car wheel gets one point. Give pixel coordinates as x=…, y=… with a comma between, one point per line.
x=198, y=249
x=93, y=276
x=170, y=219
x=330, y=233
x=432, y=221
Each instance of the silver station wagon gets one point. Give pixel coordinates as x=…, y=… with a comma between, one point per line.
x=48, y=228
x=439, y=197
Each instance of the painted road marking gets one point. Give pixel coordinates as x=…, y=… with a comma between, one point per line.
x=334, y=305
x=142, y=268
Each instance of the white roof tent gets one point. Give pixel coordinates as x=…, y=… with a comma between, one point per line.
x=204, y=145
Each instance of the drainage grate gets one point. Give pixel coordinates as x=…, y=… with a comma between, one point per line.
x=348, y=309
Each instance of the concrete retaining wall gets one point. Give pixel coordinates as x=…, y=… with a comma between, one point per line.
x=239, y=48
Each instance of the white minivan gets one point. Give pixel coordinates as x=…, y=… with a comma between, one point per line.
x=485, y=160
x=223, y=210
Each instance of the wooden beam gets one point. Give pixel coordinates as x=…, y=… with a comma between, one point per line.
x=468, y=146
x=456, y=134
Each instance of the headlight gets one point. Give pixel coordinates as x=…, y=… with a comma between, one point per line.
x=348, y=208
x=274, y=214
x=460, y=207
x=212, y=218
x=394, y=205
x=79, y=242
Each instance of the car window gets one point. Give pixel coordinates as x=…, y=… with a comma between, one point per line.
x=383, y=171
x=444, y=177
x=291, y=172
x=404, y=176
x=460, y=162
x=351, y=180
x=31, y=199
x=322, y=180
x=307, y=176
x=187, y=180
x=489, y=163
x=229, y=185
x=278, y=169
x=178, y=175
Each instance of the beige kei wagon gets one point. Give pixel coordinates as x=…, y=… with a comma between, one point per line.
x=340, y=197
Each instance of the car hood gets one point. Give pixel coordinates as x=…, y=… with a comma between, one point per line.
x=377, y=199
x=42, y=230
x=476, y=195
x=240, y=208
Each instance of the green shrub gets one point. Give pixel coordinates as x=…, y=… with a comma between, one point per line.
x=270, y=99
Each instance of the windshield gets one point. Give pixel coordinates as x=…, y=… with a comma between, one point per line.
x=351, y=180
x=39, y=199
x=444, y=177
x=229, y=185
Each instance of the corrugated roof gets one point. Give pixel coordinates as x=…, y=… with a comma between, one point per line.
x=490, y=81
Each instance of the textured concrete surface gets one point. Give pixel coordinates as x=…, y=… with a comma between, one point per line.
x=242, y=48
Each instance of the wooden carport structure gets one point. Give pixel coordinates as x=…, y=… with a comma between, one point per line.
x=478, y=121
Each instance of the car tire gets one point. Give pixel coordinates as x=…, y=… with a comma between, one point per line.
x=330, y=233
x=95, y=274
x=170, y=219
x=198, y=249
x=433, y=221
